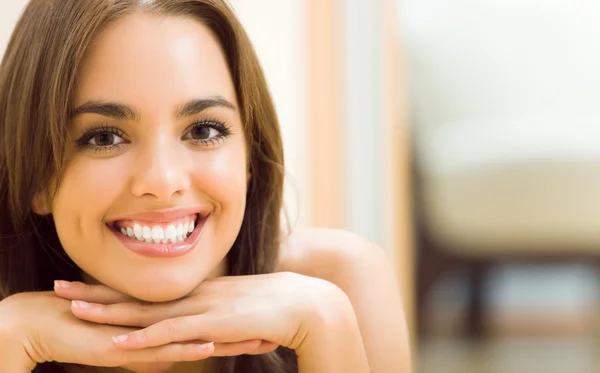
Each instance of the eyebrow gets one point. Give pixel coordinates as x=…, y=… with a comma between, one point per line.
x=125, y=112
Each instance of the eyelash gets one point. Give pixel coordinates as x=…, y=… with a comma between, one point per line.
x=84, y=141
x=223, y=128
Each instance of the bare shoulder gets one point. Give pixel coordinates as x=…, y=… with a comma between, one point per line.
x=328, y=253
x=364, y=272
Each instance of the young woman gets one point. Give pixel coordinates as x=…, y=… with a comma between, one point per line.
x=141, y=176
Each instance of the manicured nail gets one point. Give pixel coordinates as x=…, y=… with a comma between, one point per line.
x=120, y=338
x=80, y=304
x=61, y=284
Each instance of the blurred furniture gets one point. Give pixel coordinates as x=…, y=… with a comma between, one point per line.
x=505, y=108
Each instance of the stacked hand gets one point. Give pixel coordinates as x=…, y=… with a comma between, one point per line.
x=97, y=326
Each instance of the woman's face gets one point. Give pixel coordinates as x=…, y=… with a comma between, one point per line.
x=154, y=193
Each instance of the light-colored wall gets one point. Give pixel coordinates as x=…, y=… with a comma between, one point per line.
x=277, y=30
x=9, y=13
x=363, y=116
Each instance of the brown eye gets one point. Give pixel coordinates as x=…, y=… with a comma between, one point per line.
x=207, y=133
x=103, y=139
x=203, y=133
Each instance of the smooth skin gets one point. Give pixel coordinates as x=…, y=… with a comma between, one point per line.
x=334, y=298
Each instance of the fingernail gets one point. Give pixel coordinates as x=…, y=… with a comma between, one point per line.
x=207, y=346
x=61, y=284
x=120, y=339
x=80, y=304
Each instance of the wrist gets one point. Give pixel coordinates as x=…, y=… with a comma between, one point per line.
x=329, y=309
x=332, y=342
x=327, y=315
x=13, y=352
x=326, y=310
x=14, y=347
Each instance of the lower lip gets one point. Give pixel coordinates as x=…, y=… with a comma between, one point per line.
x=159, y=250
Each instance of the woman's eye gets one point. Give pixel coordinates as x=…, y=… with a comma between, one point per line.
x=207, y=133
x=102, y=138
x=203, y=133
x=106, y=139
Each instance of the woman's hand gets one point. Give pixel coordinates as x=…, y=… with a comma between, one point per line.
x=257, y=313
x=40, y=327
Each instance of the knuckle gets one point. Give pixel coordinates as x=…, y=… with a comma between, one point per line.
x=142, y=337
x=85, y=287
x=170, y=326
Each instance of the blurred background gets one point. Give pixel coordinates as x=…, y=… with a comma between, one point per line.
x=464, y=138
x=503, y=111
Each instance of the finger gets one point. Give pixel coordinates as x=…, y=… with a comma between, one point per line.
x=237, y=348
x=175, y=350
x=89, y=293
x=179, y=329
x=207, y=327
x=172, y=353
x=264, y=348
x=133, y=314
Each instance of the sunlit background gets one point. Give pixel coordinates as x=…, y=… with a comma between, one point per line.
x=464, y=138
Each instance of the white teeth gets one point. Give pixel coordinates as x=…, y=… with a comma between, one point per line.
x=147, y=233
x=158, y=234
x=171, y=233
x=138, y=231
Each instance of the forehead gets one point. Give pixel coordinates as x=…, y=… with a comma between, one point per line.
x=152, y=62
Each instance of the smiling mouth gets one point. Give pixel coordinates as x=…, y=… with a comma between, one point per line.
x=172, y=232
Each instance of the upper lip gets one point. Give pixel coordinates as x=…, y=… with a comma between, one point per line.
x=163, y=216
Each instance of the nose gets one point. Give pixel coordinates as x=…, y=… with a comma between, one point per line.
x=160, y=170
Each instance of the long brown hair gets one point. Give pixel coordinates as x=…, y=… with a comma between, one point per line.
x=37, y=80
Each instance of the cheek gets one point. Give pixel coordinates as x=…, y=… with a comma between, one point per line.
x=222, y=177
x=89, y=186
x=88, y=189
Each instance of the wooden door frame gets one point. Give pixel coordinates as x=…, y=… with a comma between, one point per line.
x=325, y=151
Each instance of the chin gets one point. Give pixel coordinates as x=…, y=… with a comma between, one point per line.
x=158, y=285
x=162, y=291
x=159, y=296
x=158, y=282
